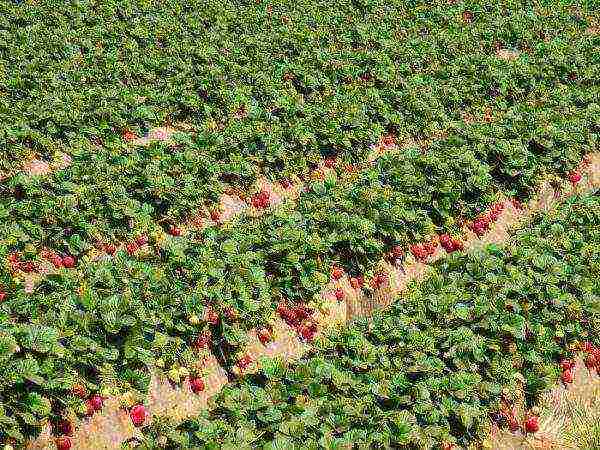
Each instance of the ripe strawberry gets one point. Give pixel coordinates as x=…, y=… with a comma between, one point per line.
x=174, y=231
x=330, y=162
x=79, y=390
x=138, y=415
x=307, y=332
x=68, y=262
x=90, y=409
x=264, y=335
x=142, y=240
x=63, y=443
x=128, y=135
x=388, y=140
x=337, y=272
x=575, y=177
x=448, y=446
x=567, y=364
x=215, y=216
x=379, y=279
x=212, y=317
x=591, y=362
x=567, y=376
x=97, y=401
x=57, y=261
x=2, y=296
x=132, y=248
x=202, y=340
x=339, y=294
x=397, y=252
x=197, y=385
x=532, y=424
x=110, y=249
x=457, y=245
x=244, y=362
x=28, y=267
x=587, y=347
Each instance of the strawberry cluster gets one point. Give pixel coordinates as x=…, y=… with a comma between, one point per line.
x=139, y=242
x=16, y=264
x=480, y=225
x=299, y=318
x=450, y=244
x=57, y=261
x=422, y=251
x=261, y=200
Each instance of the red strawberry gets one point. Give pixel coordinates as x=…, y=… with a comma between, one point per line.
x=215, y=216
x=244, y=362
x=330, y=162
x=174, y=231
x=588, y=347
x=567, y=376
x=532, y=424
x=339, y=294
x=132, y=248
x=575, y=177
x=79, y=390
x=97, y=402
x=231, y=314
x=57, y=261
x=397, y=252
x=28, y=267
x=110, y=249
x=448, y=446
x=197, y=385
x=379, y=280
x=128, y=135
x=591, y=362
x=337, y=273
x=264, y=336
x=286, y=183
x=307, y=332
x=68, y=262
x=212, y=317
x=142, y=240
x=567, y=364
x=202, y=340
x=138, y=415
x=457, y=245
x=2, y=296
x=90, y=409
x=63, y=443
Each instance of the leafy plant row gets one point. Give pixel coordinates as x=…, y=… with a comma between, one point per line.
x=433, y=369
x=342, y=74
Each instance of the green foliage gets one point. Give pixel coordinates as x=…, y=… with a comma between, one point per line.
x=434, y=366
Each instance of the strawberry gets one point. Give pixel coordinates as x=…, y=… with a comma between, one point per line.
x=339, y=294
x=174, y=231
x=379, y=279
x=231, y=314
x=244, y=362
x=264, y=335
x=57, y=261
x=63, y=443
x=513, y=424
x=138, y=415
x=2, y=296
x=285, y=183
x=28, y=267
x=397, y=252
x=448, y=446
x=90, y=409
x=142, y=240
x=212, y=317
x=128, y=135
x=575, y=177
x=132, y=248
x=215, y=216
x=330, y=162
x=97, y=402
x=68, y=262
x=307, y=331
x=337, y=272
x=567, y=376
x=457, y=245
x=591, y=362
x=110, y=249
x=532, y=424
x=79, y=390
x=567, y=364
x=197, y=385
x=202, y=340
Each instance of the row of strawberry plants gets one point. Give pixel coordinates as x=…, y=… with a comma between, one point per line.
x=107, y=320
x=431, y=371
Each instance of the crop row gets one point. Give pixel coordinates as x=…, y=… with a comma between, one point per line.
x=438, y=364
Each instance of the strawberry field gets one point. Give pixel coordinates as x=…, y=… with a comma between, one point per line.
x=184, y=184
